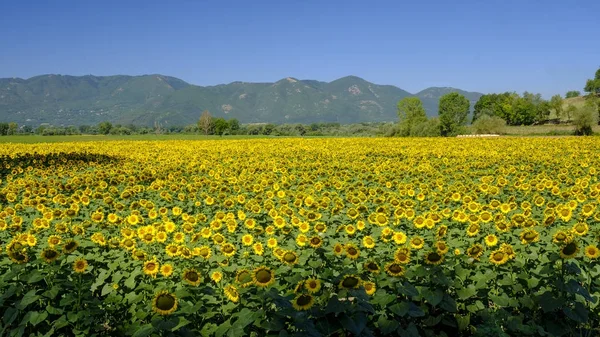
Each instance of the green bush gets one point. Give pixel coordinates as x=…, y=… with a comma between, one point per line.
x=583, y=119
x=428, y=128
x=489, y=125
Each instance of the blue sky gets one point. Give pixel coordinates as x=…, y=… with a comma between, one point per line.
x=489, y=46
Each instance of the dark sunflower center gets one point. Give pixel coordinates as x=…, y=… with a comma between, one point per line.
x=228, y=249
x=417, y=242
x=561, y=236
x=71, y=246
x=402, y=257
x=192, y=276
x=315, y=241
x=218, y=239
x=128, y=243
x=151, y=266
x=204, y=252
x=580, y=228
x=434, y=257
x=303, y=300
x=289, y=257
x=475, y=250
x=263, y=276
x=530, y=236
x=352, y=251
x=165, y=302
x=148, y=236
x=570, y=249
x=394, y=268
x=50, y=254
x=498, y=256
x=350, y=282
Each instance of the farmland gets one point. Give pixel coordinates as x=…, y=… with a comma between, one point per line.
x=358, y=236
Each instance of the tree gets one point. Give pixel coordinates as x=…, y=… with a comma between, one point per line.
x=453, y=110
x=220, y=125
x=410, y=112
x=104, y=128
x=3, y=129
x=584, y=119
x=573, y=93
x=556, y=103
x=234, y=125
x=205, y=123
x=489, y=125
x=569, y=111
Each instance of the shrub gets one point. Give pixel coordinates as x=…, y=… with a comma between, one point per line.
x=428, y=128
x=489, y=125
x=583, y=119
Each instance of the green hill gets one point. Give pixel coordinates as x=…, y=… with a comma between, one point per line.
x=143, y=100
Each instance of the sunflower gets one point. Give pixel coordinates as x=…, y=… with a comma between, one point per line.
x=70, y=246
x=529, y=236
x=402, y=255
x=491, y=240
x=80, y=265
x=473, y=230
x=580, y=229
x=475, y=251
x=562, y=237
x=368, y=242
x=258, y=248
x=231, y=293
x=303, y=302
x=151, y=267
x=372, y=267
x=434, y=258
x=508, y=249
x=417, y=242
x=290, y=258
x=164, y=303
x=263, y=276
x=272, y=243
x=243, y=277
x=352, y=252
x=49, y=255
x=216, y=276
x=442, y=247
x=350, y=281
x=301, y=240
x=369, y=287
x=592, y=252
x=499, y=257
x=54, y=240
x=192, y=277
x=569, y=251
x=166, y=270
x=313, y=285
x=338, y=249
x=315, y=241
x=394, y=269
x=228, y=249
x=441, y=232
x=247, y=240
x=399, y=238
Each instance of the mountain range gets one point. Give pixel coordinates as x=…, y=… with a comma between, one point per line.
x=146, y=99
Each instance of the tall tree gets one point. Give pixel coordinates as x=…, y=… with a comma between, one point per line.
x=410, y=113
x=205, y=123
x=556, y=103
x=220, y=125
x=3, y=129
x=453, y=110
x=104, y=128
x=13, y=128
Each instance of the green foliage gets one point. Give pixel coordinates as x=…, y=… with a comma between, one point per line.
x=453, y=111
x=592, y=86
x=4, y=129
x=570, y=112
x=104, y=127
x=220, y=125
x=584, y=118
x=410, y=113
x=573, y=93
x=489, y=125
x=427, y=128
x=556, y=103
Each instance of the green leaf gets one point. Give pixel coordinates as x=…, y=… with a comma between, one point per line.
x=244, y=317
x=52, y=292
x=54, y=311
x=10, y=315
x=579, y=313
x=467, y=292
x=382, y=298
x=355, y=324
x=408, y=289
x=434, y=297
x=35, y=276
x=463, y=321
x=334, y=306
x=548, y=302
x=130, y=282
x=501, y=300
x=37, y=317
x=448, y=304
x=400, y=309
x=60, y=322
x=223, y=328
x=387, y=326
x=144, y=331
x=107, y=289
x=208, y=329
x=27, y=299
x=181, y=323
x=415, y=311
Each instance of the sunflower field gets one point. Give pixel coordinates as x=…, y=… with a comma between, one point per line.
x=352, y=237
